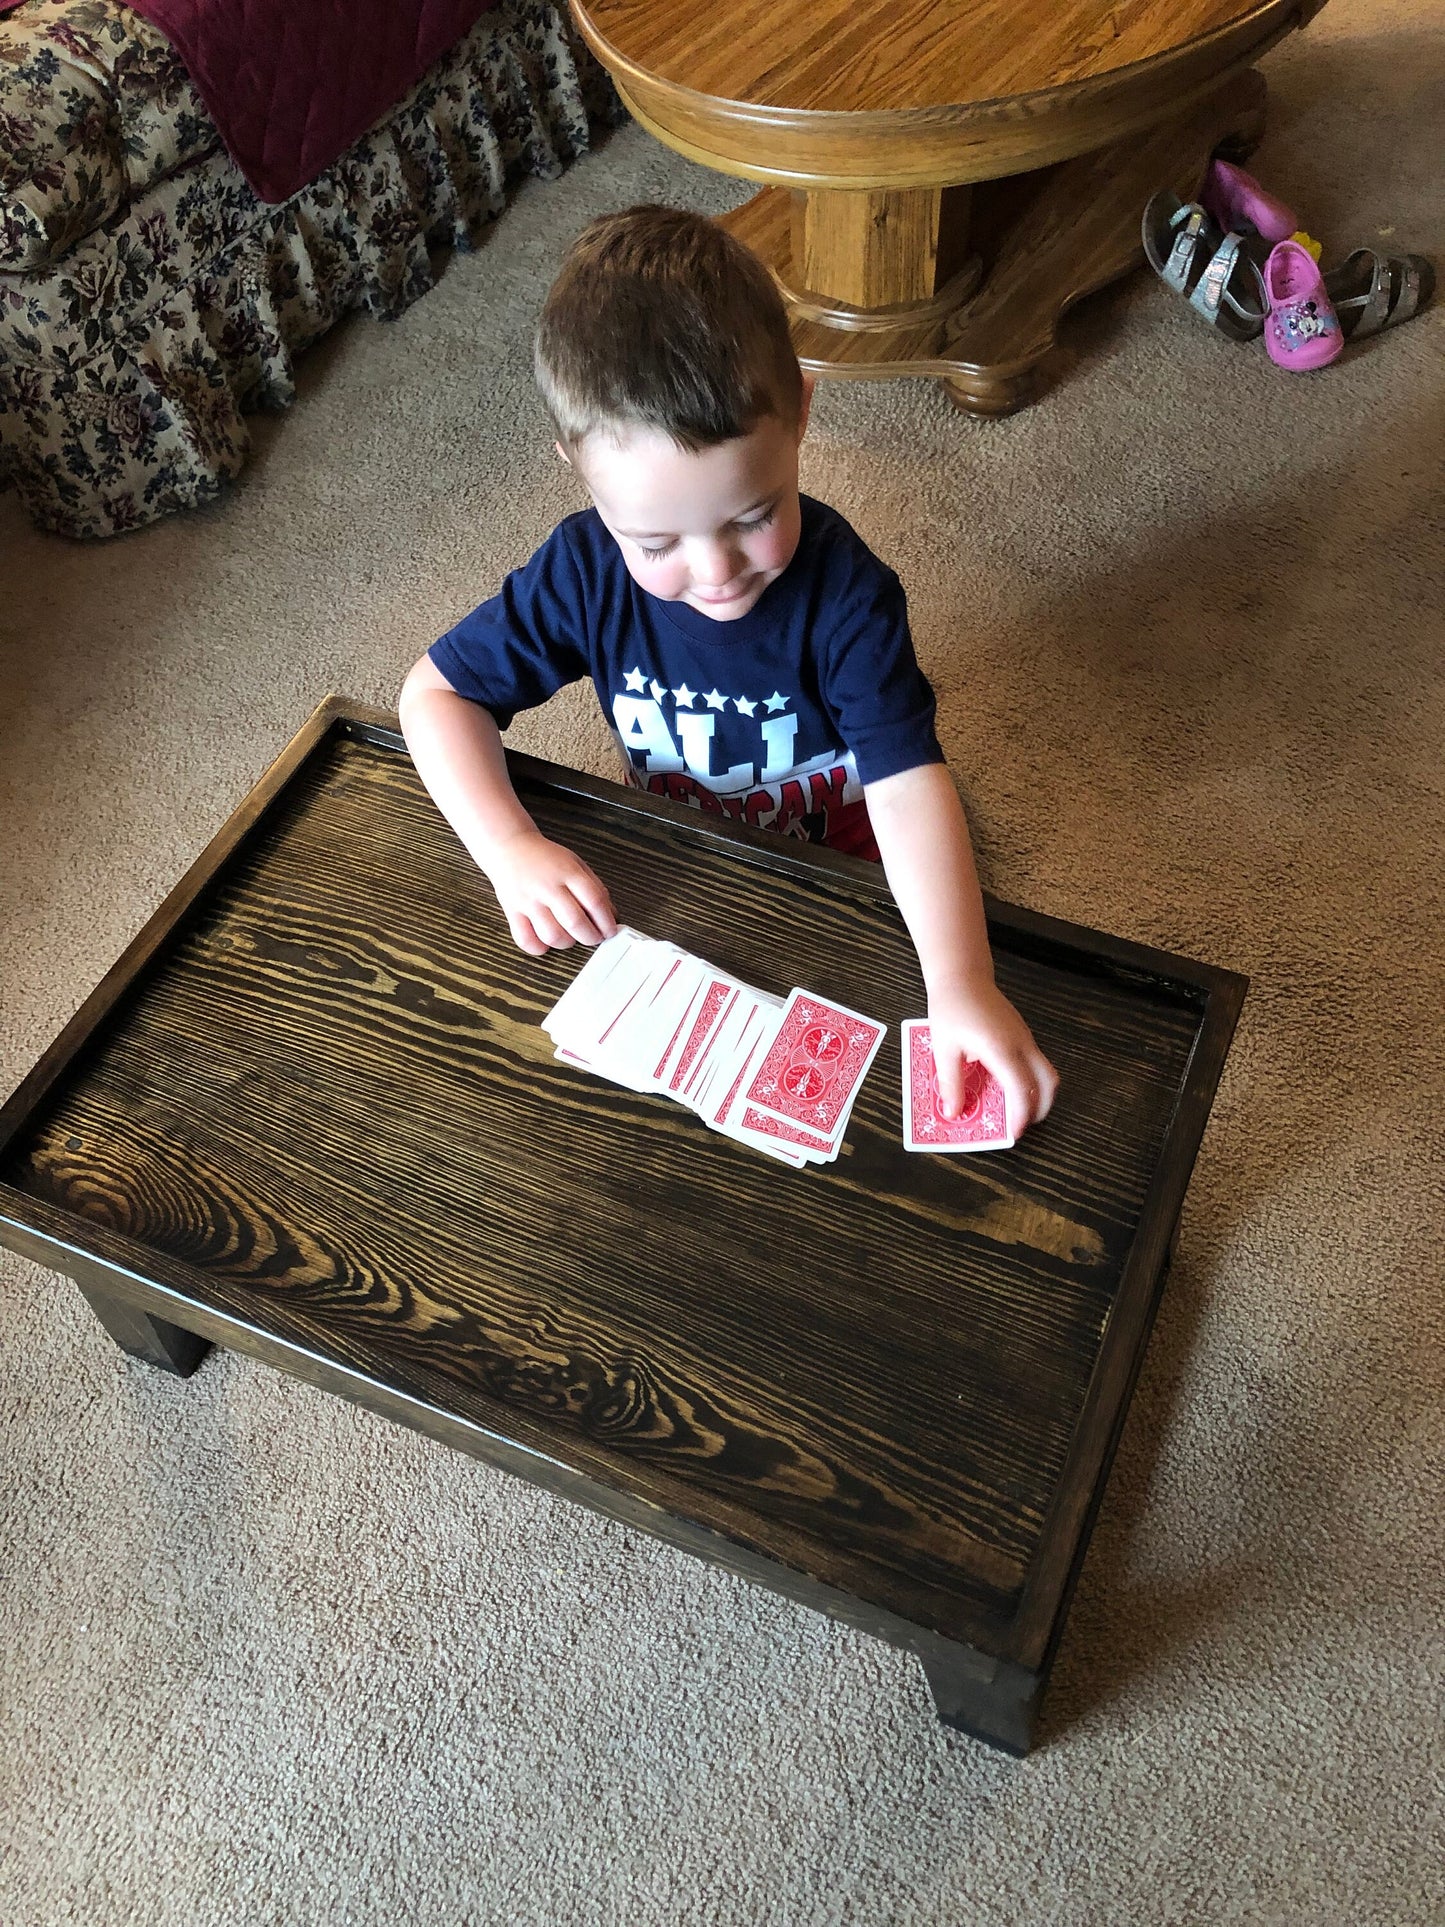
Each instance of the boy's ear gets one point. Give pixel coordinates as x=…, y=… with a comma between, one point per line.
x=563, y=453
x=808, y=383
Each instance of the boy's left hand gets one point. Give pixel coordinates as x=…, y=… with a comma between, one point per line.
x=980, y=1024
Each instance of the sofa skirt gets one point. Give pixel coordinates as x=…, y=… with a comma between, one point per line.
x=127, y=368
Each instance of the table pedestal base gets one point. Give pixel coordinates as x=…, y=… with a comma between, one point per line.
x=969, y=284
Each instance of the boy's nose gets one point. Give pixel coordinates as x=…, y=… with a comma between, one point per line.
x=715, y=565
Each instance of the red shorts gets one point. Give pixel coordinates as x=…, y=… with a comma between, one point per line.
x=851, y=831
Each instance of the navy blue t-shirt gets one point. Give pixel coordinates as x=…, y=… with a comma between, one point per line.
x=779, y=717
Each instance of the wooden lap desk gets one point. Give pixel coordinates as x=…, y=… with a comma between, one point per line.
x=943, y=178
x=310, y=1115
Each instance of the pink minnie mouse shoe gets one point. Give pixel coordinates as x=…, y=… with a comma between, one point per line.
x=1303, y=330
x=1236, y=202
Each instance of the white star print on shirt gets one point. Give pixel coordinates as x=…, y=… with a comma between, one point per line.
x=684, y=696
x=776, y=702
x=744, y=707
x=716, y=699
x=635, y=681
x=658, y=692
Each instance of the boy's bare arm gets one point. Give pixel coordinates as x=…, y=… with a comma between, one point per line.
x=923, y=840
x=550, y=897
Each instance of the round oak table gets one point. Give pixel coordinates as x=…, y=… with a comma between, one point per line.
x=943, y=177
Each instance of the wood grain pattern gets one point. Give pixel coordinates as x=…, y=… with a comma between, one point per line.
x=327, y=1101
x=859, y=56
x=872, y=250
x=930, y=93
x=772, y=223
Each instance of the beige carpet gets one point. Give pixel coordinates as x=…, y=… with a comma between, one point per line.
x=264, y=1659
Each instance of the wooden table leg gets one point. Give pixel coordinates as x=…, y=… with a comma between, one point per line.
x=170, y=1347
x=860, y=269
x=886, y=282
x=886, y=249
x=989, y=1698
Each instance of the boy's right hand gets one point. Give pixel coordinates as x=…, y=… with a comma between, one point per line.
x=549, y=896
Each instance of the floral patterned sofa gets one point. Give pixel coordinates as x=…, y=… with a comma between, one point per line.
x=148, y=297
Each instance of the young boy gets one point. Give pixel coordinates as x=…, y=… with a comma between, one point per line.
x=750, y=651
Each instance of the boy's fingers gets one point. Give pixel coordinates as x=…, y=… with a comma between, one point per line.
x=553, y=936
x=1028, y=1087
x=571, y=913
x=950, y=1081
x=525, y=937
x=1018, y=1099
x=598, y=906
x=1020, y=1094
x=1048, y=1089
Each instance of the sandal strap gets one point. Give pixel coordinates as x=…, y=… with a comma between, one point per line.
x=1393, y=294
x=1413, y=291
x=1213, y=290
x=1404, y=272
x=1190, y=225
x=1374, y=303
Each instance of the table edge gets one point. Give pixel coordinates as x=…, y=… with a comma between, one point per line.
x=1107, y=105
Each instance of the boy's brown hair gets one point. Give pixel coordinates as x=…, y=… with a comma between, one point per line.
x=660, y=319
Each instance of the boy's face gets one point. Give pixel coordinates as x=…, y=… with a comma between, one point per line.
x=710, y=529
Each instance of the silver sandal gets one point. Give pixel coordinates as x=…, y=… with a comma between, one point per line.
x=1218, y=274
x=1370, y=291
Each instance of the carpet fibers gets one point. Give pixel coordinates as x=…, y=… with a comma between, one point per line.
x=266, y=1659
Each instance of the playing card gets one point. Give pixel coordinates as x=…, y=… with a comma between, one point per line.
x=599, y=993
x=717, y=996
x=713, y=1066
x=669, y=1014
x=818, y=1150
x=784, y=1153
x=812, y=1070
x=663, y=1069
x=636, y=1042
x=621, y=1002
x=726, y=1117
x=981, y=1125
x=731, y=1074
x=566, y=1012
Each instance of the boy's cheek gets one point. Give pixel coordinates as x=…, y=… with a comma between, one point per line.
x=783, y=536
x=779, y=553
x=665, y=581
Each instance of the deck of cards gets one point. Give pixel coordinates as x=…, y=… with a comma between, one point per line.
x=778, y=1075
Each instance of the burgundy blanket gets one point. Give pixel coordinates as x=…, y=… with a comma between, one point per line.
x=292, y=83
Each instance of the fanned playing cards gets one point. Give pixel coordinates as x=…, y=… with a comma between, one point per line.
x=781, y=1077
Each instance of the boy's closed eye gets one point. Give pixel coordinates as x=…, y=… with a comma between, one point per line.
x=655, y=553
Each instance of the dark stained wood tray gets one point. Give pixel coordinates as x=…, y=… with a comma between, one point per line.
x=310, y=1115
